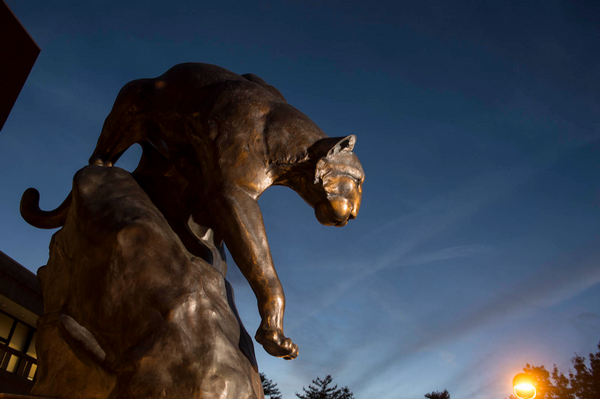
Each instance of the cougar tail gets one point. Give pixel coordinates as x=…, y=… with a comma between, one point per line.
x=31, y=212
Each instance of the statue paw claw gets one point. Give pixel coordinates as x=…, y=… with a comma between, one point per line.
x=276, y=344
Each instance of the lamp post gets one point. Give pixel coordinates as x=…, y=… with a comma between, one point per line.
x=524, y=386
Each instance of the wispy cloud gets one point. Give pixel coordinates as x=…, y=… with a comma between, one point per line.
x=448, y=357
x=435, y=217
x=559, y=281
x=555, y=283
x=75, y=99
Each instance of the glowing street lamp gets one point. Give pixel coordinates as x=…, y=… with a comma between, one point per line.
x=524, y=386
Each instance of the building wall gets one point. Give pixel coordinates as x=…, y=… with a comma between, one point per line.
x=20, y=296
x=20, y=306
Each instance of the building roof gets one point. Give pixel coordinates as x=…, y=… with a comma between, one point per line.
x=20, y=285
x=18, y=53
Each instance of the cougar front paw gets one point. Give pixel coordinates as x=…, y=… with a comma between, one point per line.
x=276, y=344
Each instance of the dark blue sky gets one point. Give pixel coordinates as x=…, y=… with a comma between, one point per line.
x=477, y=246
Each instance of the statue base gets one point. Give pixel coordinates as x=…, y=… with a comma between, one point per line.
x=129, y=312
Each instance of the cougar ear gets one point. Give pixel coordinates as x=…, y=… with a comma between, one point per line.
x=332, y=146
x=346, y=144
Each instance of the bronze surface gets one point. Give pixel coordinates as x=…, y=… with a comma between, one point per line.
x=213, y=142
x=128, y=311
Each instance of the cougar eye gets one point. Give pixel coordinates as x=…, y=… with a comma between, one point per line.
x=339, y=185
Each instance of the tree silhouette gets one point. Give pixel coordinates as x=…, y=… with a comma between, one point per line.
x=438, y=395
x=322, y=390
x=269, y=387
x=585, y=382
x=582, y=383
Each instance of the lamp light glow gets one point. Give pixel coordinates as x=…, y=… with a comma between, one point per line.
x=524, y=386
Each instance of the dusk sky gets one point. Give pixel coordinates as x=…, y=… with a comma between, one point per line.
x=477, y=247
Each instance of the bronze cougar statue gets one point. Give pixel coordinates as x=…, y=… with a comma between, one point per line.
x=213, y=142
